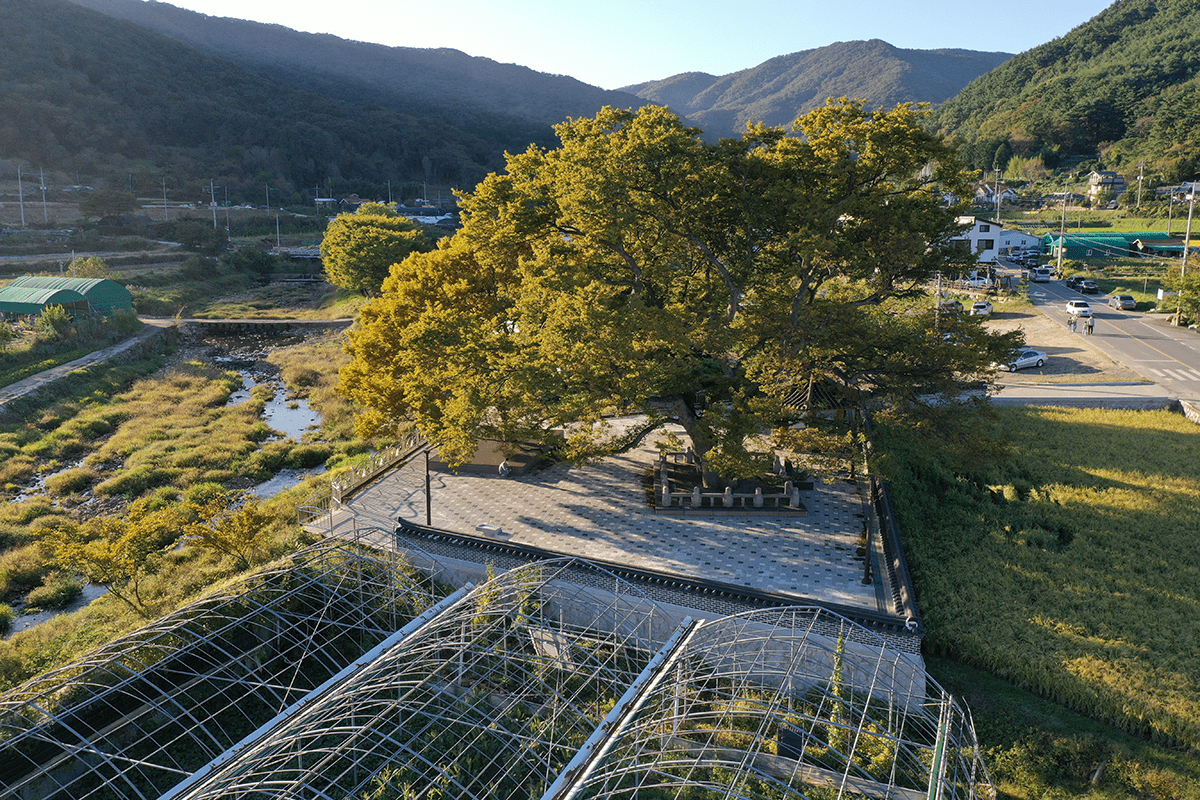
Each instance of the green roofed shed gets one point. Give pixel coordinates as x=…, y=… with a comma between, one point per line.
x=1096, y=244
x=21, y=300
x=102, y=295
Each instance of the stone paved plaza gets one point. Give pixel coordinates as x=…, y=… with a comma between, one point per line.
x=601, y=512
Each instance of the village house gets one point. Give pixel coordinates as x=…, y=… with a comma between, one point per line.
x=987, y=239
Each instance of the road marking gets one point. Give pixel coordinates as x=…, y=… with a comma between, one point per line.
x=1177, y=374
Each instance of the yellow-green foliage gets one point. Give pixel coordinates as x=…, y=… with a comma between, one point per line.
x=22, y=568
x=1069, y=566
x=178, y=431
x=181, y=575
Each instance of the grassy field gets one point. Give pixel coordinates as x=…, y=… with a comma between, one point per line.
x=1066, y=565
x=157, y=426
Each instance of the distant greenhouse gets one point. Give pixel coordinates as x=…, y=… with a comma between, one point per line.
x=1097, y=244
x=101, y=295
x=32, y=300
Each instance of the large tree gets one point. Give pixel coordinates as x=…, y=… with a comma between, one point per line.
x=637, y=267
x=360, y=248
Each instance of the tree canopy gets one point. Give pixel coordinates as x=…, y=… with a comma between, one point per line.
x=359, y=249
x=638, y=268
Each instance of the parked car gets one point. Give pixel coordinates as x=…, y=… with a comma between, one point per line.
x=953, y=306
x=1088, y=287
x=981, y=308
x=1041, y=274
x=1074, y=281
x=1026, y=357
x=1125, y=302
x=1079, y=308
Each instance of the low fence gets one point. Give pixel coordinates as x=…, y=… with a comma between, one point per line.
x=347, y=483
x=883, y=543
x=667, y=497
x=317, y=509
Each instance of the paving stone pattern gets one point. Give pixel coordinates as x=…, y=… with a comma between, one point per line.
x=601, y=512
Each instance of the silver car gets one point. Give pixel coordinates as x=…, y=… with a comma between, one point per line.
x=1027, y=358
x=1124, y=302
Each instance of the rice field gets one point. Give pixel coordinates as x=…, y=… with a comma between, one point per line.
x=1068, y=565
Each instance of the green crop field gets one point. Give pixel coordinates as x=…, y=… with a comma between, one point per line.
x=1067, y=565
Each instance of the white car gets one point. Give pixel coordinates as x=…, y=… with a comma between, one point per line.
x=981, y=308
x=1079, y=308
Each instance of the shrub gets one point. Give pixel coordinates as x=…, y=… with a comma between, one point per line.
x=54, y=324
x=72, y=480
x=22, y=568
x=58, y=590
x=307, y=456
x=6, y=618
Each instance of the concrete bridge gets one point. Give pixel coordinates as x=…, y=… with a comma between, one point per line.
x=259, y=326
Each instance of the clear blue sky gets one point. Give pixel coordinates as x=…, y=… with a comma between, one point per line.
x=613, y=43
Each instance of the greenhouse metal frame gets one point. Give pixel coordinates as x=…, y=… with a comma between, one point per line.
x=533, y=684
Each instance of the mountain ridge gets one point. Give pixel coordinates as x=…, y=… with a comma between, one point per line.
x=781, y=88
x=422, y=78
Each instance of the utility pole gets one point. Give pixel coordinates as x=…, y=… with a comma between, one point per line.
x=1062, y=235
x=212, y=201
x=164, y=182
x=42, y=180
x=997, y=191
x=21, y=195
x=1141, y=165
x=268, y=197
x=1187, y=238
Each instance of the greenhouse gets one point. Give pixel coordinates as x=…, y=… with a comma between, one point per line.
x=348, y=674
x=102, y=295
x=21, y=301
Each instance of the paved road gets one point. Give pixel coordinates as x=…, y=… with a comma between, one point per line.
x=1162, y=353
x=33, y=383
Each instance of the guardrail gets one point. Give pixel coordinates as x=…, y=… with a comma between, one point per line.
x=346, y=484
x=317, y=509
x=883, y=535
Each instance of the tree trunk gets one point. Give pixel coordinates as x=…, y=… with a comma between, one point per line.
x=700, y=441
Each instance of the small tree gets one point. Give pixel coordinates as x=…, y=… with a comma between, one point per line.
x=91, y=267
x=195, y=234
x=233, y=524
x=1187, y=291
x=358, y=250
x=54, y=323
x=119, y=552
x=107, y=203
x=7, y=336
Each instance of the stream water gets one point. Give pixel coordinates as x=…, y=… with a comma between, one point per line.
x=288, y=417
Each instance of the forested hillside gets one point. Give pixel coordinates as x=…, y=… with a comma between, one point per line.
x=89, y=95
x=435, y=81
x=1124, y=88
x=782, y=88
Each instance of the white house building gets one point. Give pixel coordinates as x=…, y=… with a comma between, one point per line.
x=987, y=239
x=1105, y=182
